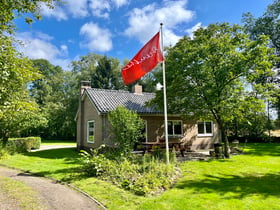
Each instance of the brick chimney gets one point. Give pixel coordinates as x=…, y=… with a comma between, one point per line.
x=84, y=85
x=137, y=89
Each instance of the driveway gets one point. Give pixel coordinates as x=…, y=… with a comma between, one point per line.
x=52, y=195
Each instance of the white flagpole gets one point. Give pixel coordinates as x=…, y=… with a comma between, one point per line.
x=164, y=100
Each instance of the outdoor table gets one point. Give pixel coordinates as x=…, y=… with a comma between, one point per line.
x=149, y=146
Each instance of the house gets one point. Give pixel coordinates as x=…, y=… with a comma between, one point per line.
x=93, y=126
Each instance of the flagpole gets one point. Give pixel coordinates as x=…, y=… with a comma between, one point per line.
x=164, y=100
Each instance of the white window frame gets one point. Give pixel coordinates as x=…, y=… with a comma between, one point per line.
x=146, y=130
x=173, y=133
x=88, y=123
x=204, y=127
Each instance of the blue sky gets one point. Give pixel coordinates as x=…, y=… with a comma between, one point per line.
x=119, y=28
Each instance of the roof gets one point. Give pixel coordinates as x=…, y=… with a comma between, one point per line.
x=108, y=100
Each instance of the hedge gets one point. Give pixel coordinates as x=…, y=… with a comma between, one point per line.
x=23, y=144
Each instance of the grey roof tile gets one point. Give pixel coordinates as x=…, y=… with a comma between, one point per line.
x=108, y=100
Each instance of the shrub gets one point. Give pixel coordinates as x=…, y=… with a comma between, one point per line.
x=127, y=128
x=3, y=153
x=23, y=144
x=142, y=175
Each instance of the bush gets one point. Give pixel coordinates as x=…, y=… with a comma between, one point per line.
x=23, y=144
x=127, y=129
x=143, y=175
x=3, y=153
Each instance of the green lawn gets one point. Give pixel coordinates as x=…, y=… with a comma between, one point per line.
x=249, y=181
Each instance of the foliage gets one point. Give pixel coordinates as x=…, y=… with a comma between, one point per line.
x=23, y=144
x=18, y=112
x=102, y=71
x=127, y=129
x=57, y=98
x=141, y=175
x=9, y=10
x=268, y=24
x=107, y=74
x=213, y=75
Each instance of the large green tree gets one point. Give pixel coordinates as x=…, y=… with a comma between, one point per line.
x=268, y=24
x=107, y=74
x=213, y=74
x=102, y=71
x=17, y=111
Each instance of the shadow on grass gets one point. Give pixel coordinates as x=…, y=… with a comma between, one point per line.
x=69, y=155
x=238, y=186
x=66, y=175
x=62, y=153
x=262, y=149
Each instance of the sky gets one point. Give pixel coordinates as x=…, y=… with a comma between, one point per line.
x=119, y=28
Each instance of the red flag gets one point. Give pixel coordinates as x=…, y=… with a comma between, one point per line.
x=143, y=62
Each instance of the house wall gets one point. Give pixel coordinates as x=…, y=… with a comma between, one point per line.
x=87, y=113
x=196, y=142
x=155, y=131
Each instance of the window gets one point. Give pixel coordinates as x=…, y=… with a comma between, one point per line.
x=90, y=131
x=175, y=128
x=205, y=128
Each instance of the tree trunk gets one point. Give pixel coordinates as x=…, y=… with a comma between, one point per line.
x=224, y=138
x=225, y=141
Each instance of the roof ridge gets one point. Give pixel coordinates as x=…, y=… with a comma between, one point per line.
x=120, y=91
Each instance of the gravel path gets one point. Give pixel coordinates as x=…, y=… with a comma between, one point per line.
x=52, y=195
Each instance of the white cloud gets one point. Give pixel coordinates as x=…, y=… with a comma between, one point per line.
x=100, y=8
x=58, y=12
x=143, y=23
x=96, y=38
x=81, y=8
x=38, y=46
x=120, y=3
x=78, y=8
x=193, y=29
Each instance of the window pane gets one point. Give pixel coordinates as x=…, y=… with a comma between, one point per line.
x=208, y=126
x=91, y=131
x=170, y=129
x=177, y=127
x=200, y=127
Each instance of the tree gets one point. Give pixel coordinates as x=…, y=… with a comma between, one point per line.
x=107, y=74
x=57, y=94
x=208, y=76
x=267, y=24
x=9, y=10
x=127, y=128
x=103, y=72
x=17, y=111
x=49, y=88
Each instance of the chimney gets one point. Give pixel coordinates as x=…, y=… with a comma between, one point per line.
x=137, y=89
x=84, y=85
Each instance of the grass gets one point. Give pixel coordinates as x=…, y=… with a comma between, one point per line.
x=248, y=181
x=19, y=194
